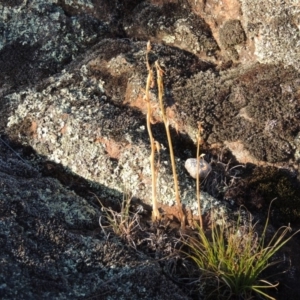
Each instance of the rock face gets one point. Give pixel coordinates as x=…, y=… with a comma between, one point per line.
x=72, y=82
x=51, y=248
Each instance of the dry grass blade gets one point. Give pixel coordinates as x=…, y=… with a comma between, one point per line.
x=124, y=223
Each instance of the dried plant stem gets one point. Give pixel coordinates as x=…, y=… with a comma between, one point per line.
x=198, y=176
x=155, y=211
x=166, y=122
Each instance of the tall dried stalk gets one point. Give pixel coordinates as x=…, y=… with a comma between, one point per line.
x=155, y=211
x=160, y=86
x=198, y=175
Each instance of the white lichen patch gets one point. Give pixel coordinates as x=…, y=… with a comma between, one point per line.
x=182, y=36
x=169, y=39
x=186, y=37
x=297, y=151
x=208, y=203
x=275, y=26
x=44, y=25
x=78, y=3
x=118, y=65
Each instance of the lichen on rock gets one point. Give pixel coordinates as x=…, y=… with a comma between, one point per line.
x=232, y=33
x=277, y=31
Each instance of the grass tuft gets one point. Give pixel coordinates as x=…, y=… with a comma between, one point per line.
x=124, y=224
x=236, y=256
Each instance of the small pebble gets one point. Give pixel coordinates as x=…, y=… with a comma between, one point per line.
x=191, y=167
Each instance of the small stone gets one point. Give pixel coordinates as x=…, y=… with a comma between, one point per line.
x=191, y=167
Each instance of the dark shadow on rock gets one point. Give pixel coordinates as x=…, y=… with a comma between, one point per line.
x=40, y=164
x=51, y=243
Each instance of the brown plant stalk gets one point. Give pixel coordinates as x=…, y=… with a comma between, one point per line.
x=198, y=175
x=155, y=211
x=160, y=86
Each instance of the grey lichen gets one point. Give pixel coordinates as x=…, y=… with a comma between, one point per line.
x=39, y=35
x=277, y=30
x=208, y=204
